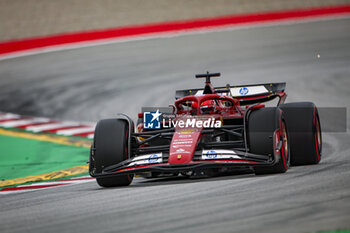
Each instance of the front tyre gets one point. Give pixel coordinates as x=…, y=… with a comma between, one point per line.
x=110, y=147
x=267, y=130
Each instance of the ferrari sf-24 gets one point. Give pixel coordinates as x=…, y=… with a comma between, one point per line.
x=208, y=130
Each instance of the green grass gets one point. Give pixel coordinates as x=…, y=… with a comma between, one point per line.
x=21, y=157
x=335, y=231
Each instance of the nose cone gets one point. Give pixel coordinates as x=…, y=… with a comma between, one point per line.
x=183, y=146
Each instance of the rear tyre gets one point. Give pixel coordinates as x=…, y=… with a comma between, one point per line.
x=304, y=131
x=111, y=147
x=262, y=125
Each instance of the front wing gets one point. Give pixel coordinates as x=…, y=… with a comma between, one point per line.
x=159, y=163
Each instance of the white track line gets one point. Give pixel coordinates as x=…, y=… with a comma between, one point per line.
x=50, y=126
x=7, y=116
x=68, y=132
x=39, y=124
x=18, y=123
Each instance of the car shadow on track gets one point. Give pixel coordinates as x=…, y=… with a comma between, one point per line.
x=174, y=180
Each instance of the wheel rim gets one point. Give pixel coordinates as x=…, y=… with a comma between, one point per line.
x=285, y=143
x=318, y=138
x=318, y=133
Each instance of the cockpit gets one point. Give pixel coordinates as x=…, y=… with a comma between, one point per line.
x=204, y=105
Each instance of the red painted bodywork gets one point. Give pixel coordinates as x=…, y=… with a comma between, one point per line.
x=183, y=146
x=233, y=111
x=185, y=140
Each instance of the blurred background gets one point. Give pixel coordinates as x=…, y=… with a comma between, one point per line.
x=32, y=18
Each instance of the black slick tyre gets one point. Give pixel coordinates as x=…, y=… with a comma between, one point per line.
x=265, y=126
x=304, y=131
x=110, y=143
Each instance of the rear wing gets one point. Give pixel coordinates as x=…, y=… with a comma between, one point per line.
x=242, y=93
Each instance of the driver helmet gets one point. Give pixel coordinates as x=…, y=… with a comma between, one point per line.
x=208, y=106
x=194, y=104
x=194, y=107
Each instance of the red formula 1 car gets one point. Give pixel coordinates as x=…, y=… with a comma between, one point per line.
x=209, y=130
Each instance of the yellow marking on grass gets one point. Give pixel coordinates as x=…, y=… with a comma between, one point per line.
x=48, y=138
x=47, y=176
